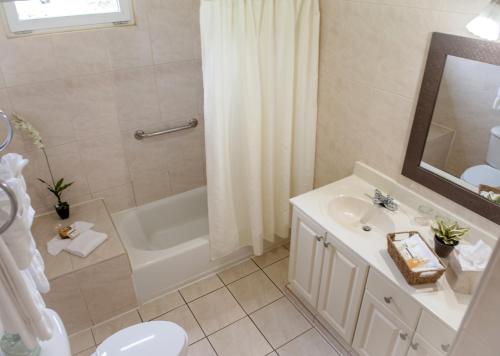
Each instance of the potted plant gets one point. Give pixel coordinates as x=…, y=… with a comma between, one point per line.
x=62, y=207
x=56, y=188
x=447, y=236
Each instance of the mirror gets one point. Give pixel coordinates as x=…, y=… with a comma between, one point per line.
x=454, y=147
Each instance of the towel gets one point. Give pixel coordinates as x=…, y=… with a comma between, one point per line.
x=87, y=242
x=56, y=245
x=23, y=311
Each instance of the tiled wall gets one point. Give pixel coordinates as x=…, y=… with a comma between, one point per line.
x=87, y=92
x=372, y=54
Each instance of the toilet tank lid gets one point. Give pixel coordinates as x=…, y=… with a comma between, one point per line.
x=151, y=338
x=496, y=131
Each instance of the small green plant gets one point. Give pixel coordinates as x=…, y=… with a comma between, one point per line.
x=57, y=189
x=449, y=234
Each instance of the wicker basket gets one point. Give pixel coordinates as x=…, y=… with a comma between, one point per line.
x=413, y=278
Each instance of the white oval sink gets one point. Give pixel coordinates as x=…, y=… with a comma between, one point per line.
x=355, y=213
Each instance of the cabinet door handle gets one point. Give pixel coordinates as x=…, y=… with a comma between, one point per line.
x=445, y=348
x=414, y=345
x=403, y=336
x=326, y=244
x=319, y=238
x=388, y=300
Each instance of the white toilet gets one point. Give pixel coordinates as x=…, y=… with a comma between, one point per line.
x=489, y=173
x=147, y=339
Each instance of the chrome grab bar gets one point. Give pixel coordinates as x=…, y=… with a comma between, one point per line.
x=13, y=206
x=139, y=134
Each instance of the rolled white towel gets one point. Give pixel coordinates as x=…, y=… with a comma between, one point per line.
x=87, y=242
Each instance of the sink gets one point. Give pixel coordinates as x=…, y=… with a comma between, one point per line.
x=356, y=214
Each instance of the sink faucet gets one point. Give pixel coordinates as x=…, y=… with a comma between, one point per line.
x=385, y=200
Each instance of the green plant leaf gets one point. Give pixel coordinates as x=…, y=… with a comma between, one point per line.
x=65, y=186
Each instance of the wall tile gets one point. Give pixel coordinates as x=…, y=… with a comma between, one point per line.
x=180, y=91
x=172, y=27
x=117, y=198
x=47, y=107
x=104, y=161
x=107, y=288
x=66, y=163
x=65, y=298
x=129, y=47
x=27, y=60
x=136, y=99
x=92, y=98
x=82, y=52
x=150, y=186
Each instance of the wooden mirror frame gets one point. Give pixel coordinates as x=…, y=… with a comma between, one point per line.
x=443, y=45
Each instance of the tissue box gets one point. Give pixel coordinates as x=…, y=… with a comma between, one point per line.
x=468, y=262
x=466, y=281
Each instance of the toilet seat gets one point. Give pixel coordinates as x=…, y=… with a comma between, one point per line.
x=147, y=339
x=482, y=174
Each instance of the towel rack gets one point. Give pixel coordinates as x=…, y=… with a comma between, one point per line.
x=4, y=186
x=139, y=134
x=13, y=206
x=5, y=120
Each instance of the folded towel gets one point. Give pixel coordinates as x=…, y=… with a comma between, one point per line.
x=56, y=245
x=87, y=242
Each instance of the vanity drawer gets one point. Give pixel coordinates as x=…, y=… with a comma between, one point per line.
x=402, y=305
x=435, y=332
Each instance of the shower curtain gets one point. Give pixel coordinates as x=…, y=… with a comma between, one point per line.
x=260, y=73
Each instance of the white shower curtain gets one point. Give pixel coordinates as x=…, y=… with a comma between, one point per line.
x=260, y=72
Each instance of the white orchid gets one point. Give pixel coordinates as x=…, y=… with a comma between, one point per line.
x=26, y=126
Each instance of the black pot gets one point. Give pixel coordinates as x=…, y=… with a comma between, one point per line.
x=442, y=250
x=62, y=210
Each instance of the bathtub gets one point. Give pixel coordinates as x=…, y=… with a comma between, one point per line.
x=167, y=243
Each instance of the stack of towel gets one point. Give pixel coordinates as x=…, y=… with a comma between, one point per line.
x=22, y=277
x=86, y=241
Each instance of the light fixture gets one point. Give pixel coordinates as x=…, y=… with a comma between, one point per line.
x=487, y=24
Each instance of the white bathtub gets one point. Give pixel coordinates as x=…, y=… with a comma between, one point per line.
x=167, y=243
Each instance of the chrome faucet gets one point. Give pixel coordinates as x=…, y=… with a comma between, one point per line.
x=386, y=201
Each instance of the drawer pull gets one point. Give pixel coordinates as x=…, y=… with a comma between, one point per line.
x=414, y=346
x=445, y=348
x=319, y=238
x=326, y=244
x=403, y=336
x=388, y=300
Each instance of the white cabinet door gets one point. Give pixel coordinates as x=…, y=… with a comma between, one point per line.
x=379, y=332
x=420, y=347
x=341, y=288
x=306, y=253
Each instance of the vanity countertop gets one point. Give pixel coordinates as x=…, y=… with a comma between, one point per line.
x=440, y=299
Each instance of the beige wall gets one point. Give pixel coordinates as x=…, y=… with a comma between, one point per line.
x=465, y=105
x=87, y=92
x=372, y=55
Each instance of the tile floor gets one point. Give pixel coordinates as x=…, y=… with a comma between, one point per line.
x=238, y=312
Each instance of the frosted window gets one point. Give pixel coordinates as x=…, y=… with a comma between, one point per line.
x=40, y=9
x=24, y=17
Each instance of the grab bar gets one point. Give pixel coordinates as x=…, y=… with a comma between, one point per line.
x=139, y=134
x=13, y=206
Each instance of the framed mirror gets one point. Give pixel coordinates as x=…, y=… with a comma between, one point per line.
x=454, y=146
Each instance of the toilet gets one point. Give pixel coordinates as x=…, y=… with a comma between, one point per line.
x=147, y=339
x=151, y=338
x=488, y=174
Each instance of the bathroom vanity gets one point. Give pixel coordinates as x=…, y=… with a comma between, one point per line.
x=346, y=278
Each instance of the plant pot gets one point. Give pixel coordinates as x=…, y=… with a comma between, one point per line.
x=442, y=250
x=62, y=210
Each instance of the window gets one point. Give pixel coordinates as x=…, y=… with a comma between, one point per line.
x=27, y=16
